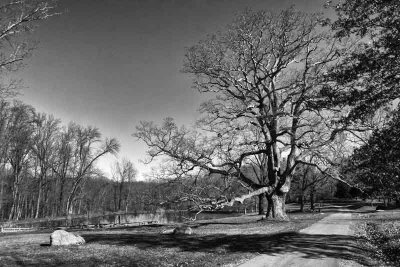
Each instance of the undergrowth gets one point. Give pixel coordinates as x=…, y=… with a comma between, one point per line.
x=382, y=239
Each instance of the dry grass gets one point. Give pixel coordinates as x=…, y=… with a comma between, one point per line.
x=223, y=242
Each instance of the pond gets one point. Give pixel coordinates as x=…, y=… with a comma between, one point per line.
x=160, y=216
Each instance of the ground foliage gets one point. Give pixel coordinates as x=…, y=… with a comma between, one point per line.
x=381, y=236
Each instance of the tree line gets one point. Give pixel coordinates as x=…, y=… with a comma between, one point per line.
x=44, y=164
x=48, y=169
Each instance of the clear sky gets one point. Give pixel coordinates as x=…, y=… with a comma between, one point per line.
x=113, y=63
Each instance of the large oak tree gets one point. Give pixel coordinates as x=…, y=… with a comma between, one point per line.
x=267, y=75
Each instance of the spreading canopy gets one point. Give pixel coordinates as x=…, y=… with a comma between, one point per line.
x=267, y=75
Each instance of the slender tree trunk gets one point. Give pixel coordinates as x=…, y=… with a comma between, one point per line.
x=270, y=207
x=61, y=197
x=302, y=203
x=115, y=198
x=120, y=195
x=32, y=207
x=69, y=210
x=1, y=193
x=14, y=206
x=26, y=210
x=38, y=198
x=79, y=206
x=312, y=206
x=261, y=204
x=19, y=208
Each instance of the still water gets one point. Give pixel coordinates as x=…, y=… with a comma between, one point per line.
x=160, y=216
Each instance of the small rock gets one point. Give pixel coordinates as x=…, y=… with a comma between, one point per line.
x=183, y=230
x=63, y=238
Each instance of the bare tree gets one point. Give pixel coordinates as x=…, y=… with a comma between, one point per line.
x=18, y=19
x=63, y=160
x=43, y=148
x=307, y=180
x=124, y=174
x=85, y=154
x=19, y=133
x=267, y=75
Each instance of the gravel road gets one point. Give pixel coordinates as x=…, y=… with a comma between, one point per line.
x=326, y=243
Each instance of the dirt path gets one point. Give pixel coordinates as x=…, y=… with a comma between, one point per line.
x=327, y=243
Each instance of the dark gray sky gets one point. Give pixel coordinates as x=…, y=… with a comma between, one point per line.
x=112, y=63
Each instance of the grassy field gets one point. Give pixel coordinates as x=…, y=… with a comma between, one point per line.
x=222, y=242
x=379, y=234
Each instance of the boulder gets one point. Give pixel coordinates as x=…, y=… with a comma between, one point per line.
x=183, y=230
x=63, y=238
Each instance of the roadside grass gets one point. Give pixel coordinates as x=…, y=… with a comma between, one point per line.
x=222, y=242
x=379, y=234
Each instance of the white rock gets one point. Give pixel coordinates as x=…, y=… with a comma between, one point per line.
x=63, y=238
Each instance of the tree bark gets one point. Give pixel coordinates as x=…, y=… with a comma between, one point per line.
x=277, y=202
x=280, y=207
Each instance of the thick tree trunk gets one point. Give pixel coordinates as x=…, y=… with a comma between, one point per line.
x=280, y=207
x=277, y=202
x=276, y=207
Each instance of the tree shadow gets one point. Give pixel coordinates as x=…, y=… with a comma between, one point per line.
x=311, y=246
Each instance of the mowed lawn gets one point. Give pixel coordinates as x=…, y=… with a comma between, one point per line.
x=223, y=242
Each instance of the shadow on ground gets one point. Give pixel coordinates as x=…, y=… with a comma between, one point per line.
x=312, y=246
